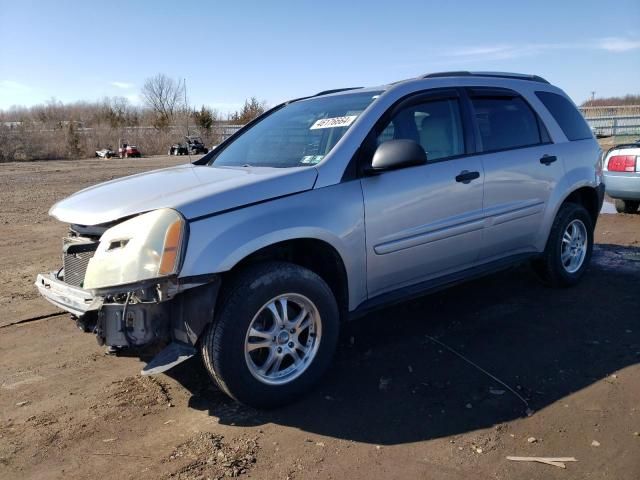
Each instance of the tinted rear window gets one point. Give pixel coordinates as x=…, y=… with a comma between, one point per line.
x=567, y=115
x=505, y=122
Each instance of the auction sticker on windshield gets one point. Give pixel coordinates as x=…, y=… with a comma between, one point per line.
x=333, y=122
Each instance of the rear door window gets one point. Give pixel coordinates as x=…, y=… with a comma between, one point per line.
x=505, y=122
x=567, y=115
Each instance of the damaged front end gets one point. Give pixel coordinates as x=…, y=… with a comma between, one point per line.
x=121, y=282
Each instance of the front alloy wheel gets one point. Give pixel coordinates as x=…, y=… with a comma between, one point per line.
x=274, y=333
x=283, y=339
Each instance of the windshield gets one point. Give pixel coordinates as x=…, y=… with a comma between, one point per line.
x=299, y=134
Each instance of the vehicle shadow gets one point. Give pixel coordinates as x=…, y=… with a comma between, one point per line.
x=391, y=384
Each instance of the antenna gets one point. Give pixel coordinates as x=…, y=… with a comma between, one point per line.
x=186, y=108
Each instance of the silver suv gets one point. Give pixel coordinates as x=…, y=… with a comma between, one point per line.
x=325, y=208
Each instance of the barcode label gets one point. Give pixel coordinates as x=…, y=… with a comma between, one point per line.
x=334, y=122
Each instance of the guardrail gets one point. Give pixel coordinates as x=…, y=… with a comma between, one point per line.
x=225, y=131
x=613, y=120
x=614, y=126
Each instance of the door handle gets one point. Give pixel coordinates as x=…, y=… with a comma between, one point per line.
x=466, y=176
x=548, y=159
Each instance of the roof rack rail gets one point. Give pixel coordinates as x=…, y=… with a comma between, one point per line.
x=517, y=76
x=335, y=90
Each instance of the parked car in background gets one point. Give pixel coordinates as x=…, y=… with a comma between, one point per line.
x=193, y=145
x=105, y=153
x=323, y=209
x=621, y=170
x=129, y=151
x=178, y=149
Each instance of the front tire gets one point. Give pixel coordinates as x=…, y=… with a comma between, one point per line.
x=274, y=334
x=626, y=206
x=569, y=247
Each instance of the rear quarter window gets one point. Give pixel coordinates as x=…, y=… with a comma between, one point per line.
x=567, y=115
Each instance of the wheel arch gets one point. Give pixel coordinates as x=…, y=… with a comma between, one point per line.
x=580, y=191
x=588, y=197
x=315, y=254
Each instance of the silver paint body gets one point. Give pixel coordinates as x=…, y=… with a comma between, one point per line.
x=392, y=230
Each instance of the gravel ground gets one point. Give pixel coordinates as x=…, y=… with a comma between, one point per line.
x=396, y=404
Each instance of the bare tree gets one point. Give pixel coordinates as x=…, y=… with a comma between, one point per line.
x=165, y=96
x=116, y=111
x=612, y=101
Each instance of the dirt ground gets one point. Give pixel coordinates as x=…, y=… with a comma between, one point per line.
x=396, y=403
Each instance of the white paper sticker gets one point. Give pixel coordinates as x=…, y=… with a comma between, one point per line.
x=334, y=122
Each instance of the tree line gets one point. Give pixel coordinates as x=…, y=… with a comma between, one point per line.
x=612, y=101
x=56, y=130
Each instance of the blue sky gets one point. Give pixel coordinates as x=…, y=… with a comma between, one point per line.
x=227, y=51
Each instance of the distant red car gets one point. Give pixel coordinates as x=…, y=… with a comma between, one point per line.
x=129, y=151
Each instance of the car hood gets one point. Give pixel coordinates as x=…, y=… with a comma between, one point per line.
x=191, y=189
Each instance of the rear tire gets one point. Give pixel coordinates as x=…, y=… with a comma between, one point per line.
x=627, y=206
x=299, y=343
x=569, y=247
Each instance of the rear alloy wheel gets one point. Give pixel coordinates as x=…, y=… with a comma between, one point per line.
x=273, y=336
x=627, y=206
x=568, y=249
x=574, y=246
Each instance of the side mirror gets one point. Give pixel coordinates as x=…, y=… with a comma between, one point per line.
x=395, y=154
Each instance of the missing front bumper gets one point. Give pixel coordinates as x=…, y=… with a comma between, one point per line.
x=176, y=321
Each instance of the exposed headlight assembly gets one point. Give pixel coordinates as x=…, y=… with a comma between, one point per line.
x=146, y=247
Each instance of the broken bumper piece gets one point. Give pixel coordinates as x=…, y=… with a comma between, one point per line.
x=174, y=354
x=74, y=300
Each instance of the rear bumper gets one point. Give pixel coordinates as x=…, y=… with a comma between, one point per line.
x=74, y=300
x=625, y=186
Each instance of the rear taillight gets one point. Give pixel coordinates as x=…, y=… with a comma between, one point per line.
x=622, y=163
